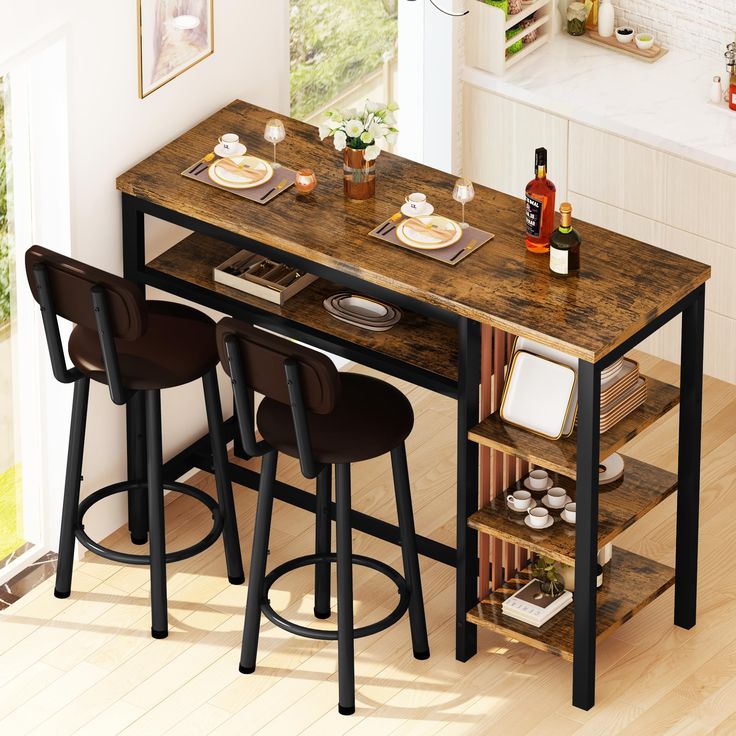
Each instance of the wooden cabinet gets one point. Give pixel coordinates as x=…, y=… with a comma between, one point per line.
x=499, y=139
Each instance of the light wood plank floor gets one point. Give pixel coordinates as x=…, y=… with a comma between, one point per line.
x=87, y=665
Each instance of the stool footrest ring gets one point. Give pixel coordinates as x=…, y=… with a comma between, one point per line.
x=331, y=634
x=131, y=559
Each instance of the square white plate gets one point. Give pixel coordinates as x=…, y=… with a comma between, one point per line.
x=538, y=394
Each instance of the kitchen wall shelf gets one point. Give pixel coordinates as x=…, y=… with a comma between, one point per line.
x=630, y=583
x=621, y=503
x=485, y=35
x=561, y=455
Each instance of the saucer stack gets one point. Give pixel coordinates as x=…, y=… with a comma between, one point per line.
x=362, y=311
x=623, y=390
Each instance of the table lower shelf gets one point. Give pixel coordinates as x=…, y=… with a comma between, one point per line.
x=630, y=583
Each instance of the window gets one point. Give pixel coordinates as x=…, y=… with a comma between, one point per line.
x=341, y=54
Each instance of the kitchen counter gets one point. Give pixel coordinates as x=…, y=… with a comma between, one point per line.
x=664, y=104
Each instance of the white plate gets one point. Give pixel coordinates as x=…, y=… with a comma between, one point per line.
x=556, y=508
x=362, y=307
x=549, y=523
x=538, y=394
x=612, y=369
x=426, y=240
x=221, y=174
x=538, y=490
x=238, y=150
x=611, y=469
x=389, y=315
x=410, y=212
x=565, y=517
x=532, y=505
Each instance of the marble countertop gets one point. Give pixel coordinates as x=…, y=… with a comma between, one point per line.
x=664, y=104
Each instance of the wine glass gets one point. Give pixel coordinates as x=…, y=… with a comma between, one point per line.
x=275, y=133
x=463, y=193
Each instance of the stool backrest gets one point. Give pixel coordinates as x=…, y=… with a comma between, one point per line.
x=301, y=378
x=263, y=356
x=70, y=284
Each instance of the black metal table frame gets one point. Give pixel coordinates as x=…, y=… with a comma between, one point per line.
x=466, y=392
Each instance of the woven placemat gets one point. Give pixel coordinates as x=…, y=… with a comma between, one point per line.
x=281, y=180
x=471, y=239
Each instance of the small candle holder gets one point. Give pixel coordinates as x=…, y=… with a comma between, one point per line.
x=305, y=181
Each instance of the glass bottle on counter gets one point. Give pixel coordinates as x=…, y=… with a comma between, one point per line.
x=564, y=245
x=540, y=206
x=731, y=66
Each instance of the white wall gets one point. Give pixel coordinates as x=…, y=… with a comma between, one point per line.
x=110, y=129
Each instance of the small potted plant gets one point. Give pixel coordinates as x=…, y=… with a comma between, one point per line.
x=551, y=583
x=359, y=136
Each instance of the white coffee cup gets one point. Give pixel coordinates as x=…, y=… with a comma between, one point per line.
x=229, y=142
x=520, y=500
x=417, y=202
x=556, y=497
x=538, y=516
x=570, y=511
x=538, y=479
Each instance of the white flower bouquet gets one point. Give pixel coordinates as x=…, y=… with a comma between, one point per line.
x=362, y=130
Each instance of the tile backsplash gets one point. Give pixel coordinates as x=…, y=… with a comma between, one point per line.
x=702, y=26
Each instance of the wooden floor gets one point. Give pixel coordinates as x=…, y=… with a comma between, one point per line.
x=87, y=665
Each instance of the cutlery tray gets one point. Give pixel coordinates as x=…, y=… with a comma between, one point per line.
x=262, y=277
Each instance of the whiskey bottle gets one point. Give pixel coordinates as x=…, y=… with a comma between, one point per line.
x=564, y=245
x=540, y=206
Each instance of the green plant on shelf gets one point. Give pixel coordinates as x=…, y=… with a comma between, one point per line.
x=543, y=569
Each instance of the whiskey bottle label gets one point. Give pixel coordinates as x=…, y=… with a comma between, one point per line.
x=558, y=260
x=534, y=209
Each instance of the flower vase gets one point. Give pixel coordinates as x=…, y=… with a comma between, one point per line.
x=359, y=175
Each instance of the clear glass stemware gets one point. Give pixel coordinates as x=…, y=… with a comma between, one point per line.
x=463, y=193
x=275, y=133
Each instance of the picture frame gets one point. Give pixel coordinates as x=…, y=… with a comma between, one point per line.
x=173, y=36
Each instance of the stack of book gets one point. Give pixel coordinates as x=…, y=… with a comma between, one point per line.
x=532, y=606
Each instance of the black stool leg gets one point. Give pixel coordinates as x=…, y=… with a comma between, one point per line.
x=258, y=563
x=137, y=500
x=404, y=510
x=323, y=538
x=72, y=484
x=157, y=534
x=345, y=635
x=225, y=500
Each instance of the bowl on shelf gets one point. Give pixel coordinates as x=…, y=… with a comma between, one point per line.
x=624, y=34
x=644, y=41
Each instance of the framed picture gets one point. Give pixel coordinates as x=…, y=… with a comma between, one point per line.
x=173, y=36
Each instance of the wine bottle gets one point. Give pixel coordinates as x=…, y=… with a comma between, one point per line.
x=564, y=245
x=540, y=206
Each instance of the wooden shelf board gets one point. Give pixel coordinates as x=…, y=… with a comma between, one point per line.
x=561, y=455
x=630, y=583
x=620, y=504
x=417, y=340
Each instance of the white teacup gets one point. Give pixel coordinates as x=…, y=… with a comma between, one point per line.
x=417, y=202
x=538, y=516
x=229, y=142
x=556, y=497
x=538, y=479
x=570, y=511
x=520, y=500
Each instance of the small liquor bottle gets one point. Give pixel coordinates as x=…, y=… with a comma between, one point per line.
x=564, y=245
x=540, y=206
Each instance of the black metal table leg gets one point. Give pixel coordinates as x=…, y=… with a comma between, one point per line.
x=135, y=411
x=688, y=487
x=466, y=579
x=586, y=534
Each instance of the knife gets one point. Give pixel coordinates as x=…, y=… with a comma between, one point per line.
x=273, y=189
x=196, y=170
x=469, y=246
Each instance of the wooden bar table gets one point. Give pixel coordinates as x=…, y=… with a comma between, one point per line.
x=454, y=316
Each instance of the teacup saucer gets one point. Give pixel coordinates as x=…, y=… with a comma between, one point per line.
x=532, y=505
x=549, y=523
x=411, y=212
x=238, y=150
x=528, y=486
x=561, y=507
x=566, y=518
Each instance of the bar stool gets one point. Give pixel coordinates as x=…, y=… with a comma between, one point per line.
x=324, y=418
x=137, y=348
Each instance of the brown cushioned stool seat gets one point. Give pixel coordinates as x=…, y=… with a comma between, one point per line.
x=370, y=418
x=177, y=347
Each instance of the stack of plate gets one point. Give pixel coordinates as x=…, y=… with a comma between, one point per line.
x=240, y=172
x=612, y=370
x=362, y=311
x=429, y=232
x=614, y=412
